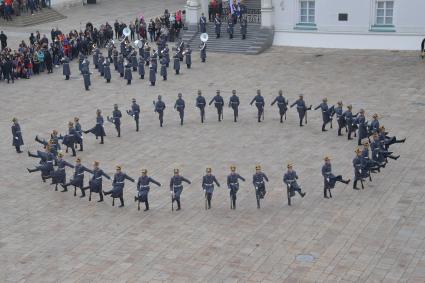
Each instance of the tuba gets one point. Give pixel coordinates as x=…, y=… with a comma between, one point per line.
x=204, y=37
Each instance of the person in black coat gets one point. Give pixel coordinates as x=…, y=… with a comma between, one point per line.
x=17, y=135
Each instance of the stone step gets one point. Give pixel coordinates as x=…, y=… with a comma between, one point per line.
x=26, y=19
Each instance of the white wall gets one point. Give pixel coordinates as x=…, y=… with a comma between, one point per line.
x=409, y=21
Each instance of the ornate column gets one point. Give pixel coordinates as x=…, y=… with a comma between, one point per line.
x=267, y=12
x=193, y=9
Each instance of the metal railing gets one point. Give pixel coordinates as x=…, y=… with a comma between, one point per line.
x=252, y=15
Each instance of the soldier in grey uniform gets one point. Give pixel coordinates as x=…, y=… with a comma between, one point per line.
x=159, y=108
x=116, y=119
x=65, y=68
x=203, y=52
x=117, y=190
x=115, y=58
x=152, y=75
x=143, y=188
x=95, y=183
x=176, y=187
x=259, y=103
x=233, y=185
x=133, y=59
x=98, y=130
x=100, y=65
x=362, y=124
x=107, y=71
x=59, y=175
x=218, y=103
x=208, y=186
x=188, y=55
x=201, y=103
x=79, y=131
x=244, y=27
x=329, y=178
x=349, y=121
x=301, y=108
x=78, y=179
x=230, y=28
x=86, y=73
x=163, y=62
x=290, y=179
x=203, y=23
x=326, y=113
x=234, y=104
x=258, y=181
x=340, y=117
x=141, y=68
x=46, y=163
x=179, y=106
x=120, y=65
x=127, y=73
x=96, y=57
x=282, y=104
x=17, y=141
x=176, y=65
x=134, y=112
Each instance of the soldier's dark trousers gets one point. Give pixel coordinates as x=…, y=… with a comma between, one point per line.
x=235, y=114
x=220, y=113
x=202, y=115
x=177, y=72
x=181, y=114
x=73, y=150
x=18, y=148
x=137, y=125
x=118, y=128
x=260, y=112
x=146, y=204
x=66, y=77
x=165, y=78
x=325, y=192
x=161, y=120
x=209, y=197
x=108, y=81
x=129, y=82
x=101, y=140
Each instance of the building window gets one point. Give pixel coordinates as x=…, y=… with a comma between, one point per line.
x=384, y=12
x=307, y=12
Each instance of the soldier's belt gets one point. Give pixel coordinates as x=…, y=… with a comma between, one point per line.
x=290, y=181
x=99, y=178
x=177, y=186
x=209, y=184
x=119, y=182
x=80, y=174
x=234, y=184
x=262, y=182
x=144, y=186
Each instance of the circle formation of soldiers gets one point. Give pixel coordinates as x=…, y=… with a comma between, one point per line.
x=364, y=163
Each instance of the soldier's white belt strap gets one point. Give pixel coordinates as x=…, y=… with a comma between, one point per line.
x=261, y=182
x=99, y=178
x=18, y=131
x=234, y=184
x=209, y=184
x=62, y=169
x=177, y=186
x=327, y=173
x=50, y=161
x=80, y=174
x=291, y=181
x=144, y=186
x=119, y=183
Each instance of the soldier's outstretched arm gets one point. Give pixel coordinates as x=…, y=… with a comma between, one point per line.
x=215, y=180
x=317, y=107
x=212, y=100
x=186, y=180
x=240, y=177
x=155, y=182
x=293, y=104
x=129, y=178
x=106, y=175
x=265, y=177
x=274, y=101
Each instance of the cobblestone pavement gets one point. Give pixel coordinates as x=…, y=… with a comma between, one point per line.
x=373, y=235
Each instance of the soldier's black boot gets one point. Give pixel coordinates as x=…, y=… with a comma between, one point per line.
x=65, y=187
x=339, y=132
x=81, y=146
x=119, y=132
x=325, y=194
x=234, y=204
x=178, y=205
x=301, y=123
x=346, y=181
x=101, y=140
x=323, y=128
x=73, y=151
x=355, y=185
x=122, y=201
x=137, y=126
x=83, y=192
x=31, y=170
x=146, y=205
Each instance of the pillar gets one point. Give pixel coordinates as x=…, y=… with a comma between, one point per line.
x=267, y=12
x=193, y=9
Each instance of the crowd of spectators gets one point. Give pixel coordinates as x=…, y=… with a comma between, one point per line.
x=12, y=8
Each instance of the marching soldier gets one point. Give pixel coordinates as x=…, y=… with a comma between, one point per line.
x=115, y=58
x=59, y=175
x=100, y=65
x=46, y=163
x=233, y=185
x=127, y=73
x=152, y=75
x=203, y=23
x=349, y=120
x=301, y=108
x=374, y=125
x=200, y=103
x=86, y=74
x=107, y=71
x=166, y=54
x=290, y=179
x=141, y=68
x=116, y=119
x=359, y=170
x=218, y=103
x=95, y=183
x=163, y=62
x=133, y=59
x=176, y=65
x=203, y=52
x=117, y=190
x=362, y=125
x=179, y=106
x=159, y=108
x=143, y=188
x=176, y=187
x=208, y=186
x=79, y=137
x=340, y=118
x=282, y=104
x=120, y=65
x=387, y=140
x=259, y=103
x=188, y=55
x=326, y=113
x=329, y=178
x=96, y=56
x=234, y=104
x=70, y=139
x=154, y=60
x=230, y=28
x=98, y=130
x=65, y=68
x=80, y=62
x=134, y=112
x=259, y=185
x=244, y=27
x=78, y=179
x=17, y=141
x=217, y=23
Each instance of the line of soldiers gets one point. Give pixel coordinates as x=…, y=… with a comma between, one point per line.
x=126, y=61
x=230, y=26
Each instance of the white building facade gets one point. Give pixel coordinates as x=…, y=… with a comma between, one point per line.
x=353, y=24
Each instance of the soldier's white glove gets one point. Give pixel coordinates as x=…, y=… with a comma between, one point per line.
x=17, y=138
x=327, y=179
